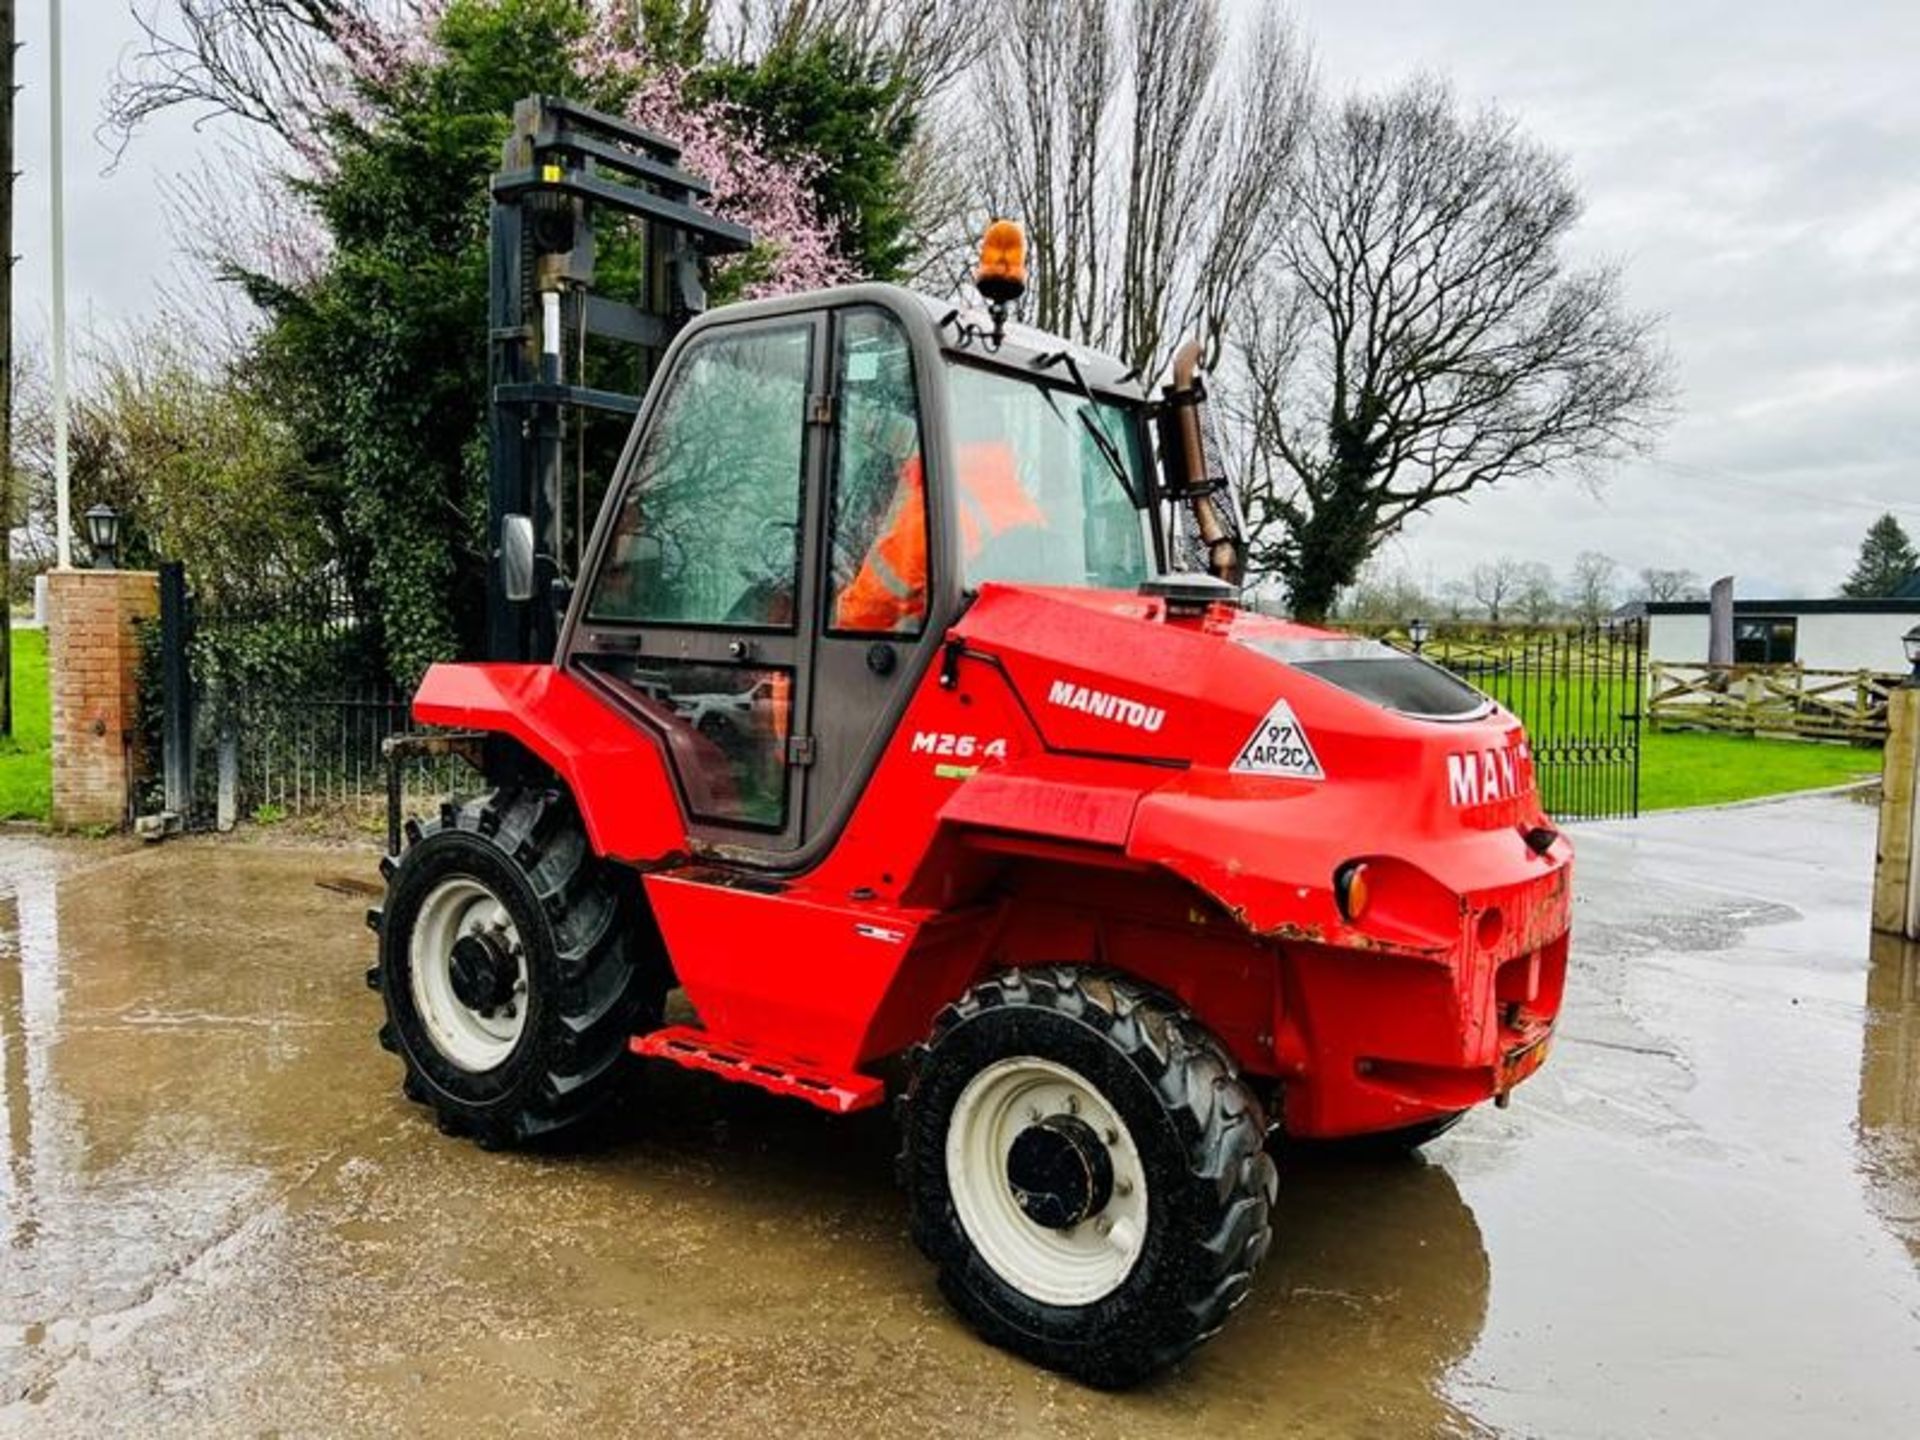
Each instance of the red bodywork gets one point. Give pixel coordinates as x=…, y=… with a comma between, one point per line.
x=1107, y=831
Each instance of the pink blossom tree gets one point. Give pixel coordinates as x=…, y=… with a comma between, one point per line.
x=797, y=248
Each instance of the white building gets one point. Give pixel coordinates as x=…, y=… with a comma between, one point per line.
x=1818, y=634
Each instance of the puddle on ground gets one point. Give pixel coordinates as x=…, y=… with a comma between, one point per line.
x=218, y=1215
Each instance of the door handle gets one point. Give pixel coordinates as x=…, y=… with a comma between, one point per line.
x=881, y=658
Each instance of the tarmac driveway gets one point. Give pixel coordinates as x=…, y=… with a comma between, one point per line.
x=218, y=1216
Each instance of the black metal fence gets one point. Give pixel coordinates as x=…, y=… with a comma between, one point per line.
x=277, y=707
x=1579, y=689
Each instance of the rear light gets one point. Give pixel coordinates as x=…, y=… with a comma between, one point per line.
x=1350, y=890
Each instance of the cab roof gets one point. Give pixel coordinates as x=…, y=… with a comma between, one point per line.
x=960, y=330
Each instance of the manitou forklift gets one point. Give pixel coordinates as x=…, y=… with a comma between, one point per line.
x=882, y=724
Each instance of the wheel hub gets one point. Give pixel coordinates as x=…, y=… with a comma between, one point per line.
x=467, y=974
x=1047, y=1181
x=1059, y=1172
x=482, y=971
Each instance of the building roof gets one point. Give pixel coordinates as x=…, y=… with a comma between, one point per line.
x=1902, y=604
x=1909, y=588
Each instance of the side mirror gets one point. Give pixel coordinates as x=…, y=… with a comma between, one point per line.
x=516, y=557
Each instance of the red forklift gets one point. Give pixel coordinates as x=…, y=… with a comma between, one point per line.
x=887, y=722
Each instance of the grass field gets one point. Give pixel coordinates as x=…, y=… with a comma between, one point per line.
x=1679, y=769
x=26, y=779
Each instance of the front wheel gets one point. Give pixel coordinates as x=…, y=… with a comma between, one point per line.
x=1087, y=1169
x=514, y=966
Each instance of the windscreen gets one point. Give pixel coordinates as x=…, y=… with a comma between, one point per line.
x=1039, y=497
x=1379, y=673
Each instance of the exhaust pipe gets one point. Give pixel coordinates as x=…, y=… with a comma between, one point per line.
x=1225, y=558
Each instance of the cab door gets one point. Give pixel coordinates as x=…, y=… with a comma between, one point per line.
x=697, y=619
x=876, y=618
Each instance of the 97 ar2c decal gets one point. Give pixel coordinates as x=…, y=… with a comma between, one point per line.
x=1279, y=746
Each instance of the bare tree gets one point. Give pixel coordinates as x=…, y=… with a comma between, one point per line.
x=1386, y=592
x=925, y=44
x=1420, y=335
x=1592, y=586
x=1494, y=582
x=274, y=64
x=1662, y=585
x=1534, y=595
x=1146, y=145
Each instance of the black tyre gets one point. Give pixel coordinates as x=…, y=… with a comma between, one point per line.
x=515, y=967
x=1087, y=1169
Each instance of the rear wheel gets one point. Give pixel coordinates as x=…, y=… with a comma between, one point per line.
x=514, y=968
x=1086, y=1167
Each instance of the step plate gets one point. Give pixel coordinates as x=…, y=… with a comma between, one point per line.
x=698, y=1050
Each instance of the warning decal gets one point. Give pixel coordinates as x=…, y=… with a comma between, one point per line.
x=1279, y=746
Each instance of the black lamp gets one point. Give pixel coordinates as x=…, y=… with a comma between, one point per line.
x=1417, y=631
x=103, y=534
x=1911, y=640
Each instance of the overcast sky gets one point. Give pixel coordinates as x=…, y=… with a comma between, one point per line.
x=1754, y=165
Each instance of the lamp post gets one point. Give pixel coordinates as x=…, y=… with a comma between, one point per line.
x=103, y=534
x=1417, y=631
x=1911, y=643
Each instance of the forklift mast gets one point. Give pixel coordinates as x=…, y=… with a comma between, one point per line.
x=563, y=168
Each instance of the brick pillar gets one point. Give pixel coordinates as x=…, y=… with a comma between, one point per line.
x=93, y=664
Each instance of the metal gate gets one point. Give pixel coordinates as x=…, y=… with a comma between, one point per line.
x=273, y=707
x=1578, y=689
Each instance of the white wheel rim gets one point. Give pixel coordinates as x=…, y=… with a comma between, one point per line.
x=471, y=1039
x=1075, y=1266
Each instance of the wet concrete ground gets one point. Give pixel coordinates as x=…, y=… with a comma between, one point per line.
x=217, y=1215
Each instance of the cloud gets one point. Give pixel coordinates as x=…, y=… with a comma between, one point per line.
x=1753, y=172
x=1750, y=164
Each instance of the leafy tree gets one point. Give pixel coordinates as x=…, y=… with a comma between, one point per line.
x=380, y=363
x=1887, y=561
x=199, y=464
x=1422, y=335
x=675, y=31
x=392, y=118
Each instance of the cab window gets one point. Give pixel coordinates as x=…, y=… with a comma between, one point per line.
x=1038, y=500
x=879, y=532
x=708, y=530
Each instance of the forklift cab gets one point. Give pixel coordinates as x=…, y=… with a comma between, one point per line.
x=812, y=490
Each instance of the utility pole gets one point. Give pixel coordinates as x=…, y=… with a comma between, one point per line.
x=57, y=178
x=6, y=367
